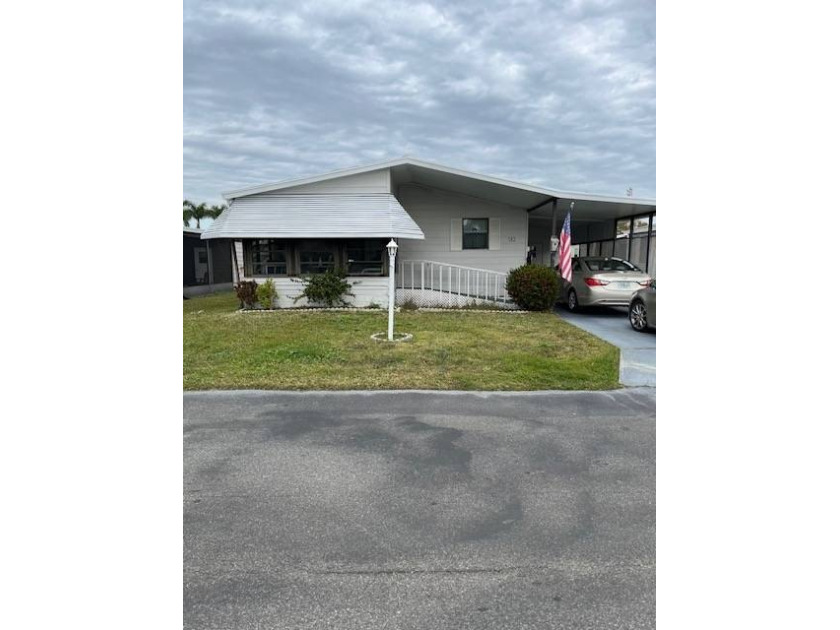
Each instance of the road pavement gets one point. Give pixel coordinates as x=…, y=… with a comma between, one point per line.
x=419, y=510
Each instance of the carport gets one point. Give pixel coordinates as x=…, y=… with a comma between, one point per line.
x=601, y=226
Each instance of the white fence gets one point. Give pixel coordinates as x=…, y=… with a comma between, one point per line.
x=430, y=284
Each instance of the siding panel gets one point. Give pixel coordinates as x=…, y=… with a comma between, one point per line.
x=372, y=182
x=436, y=211
x=366, y=291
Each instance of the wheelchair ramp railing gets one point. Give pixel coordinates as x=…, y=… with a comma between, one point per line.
x=433, y=284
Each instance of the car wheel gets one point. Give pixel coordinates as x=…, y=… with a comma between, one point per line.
x=638, y=316
x=572, y=300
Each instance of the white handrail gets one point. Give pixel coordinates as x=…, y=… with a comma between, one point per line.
x=482, y=284
x=454, y=266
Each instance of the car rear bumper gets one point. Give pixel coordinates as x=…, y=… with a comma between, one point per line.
x=598, y=296
x=605, y=302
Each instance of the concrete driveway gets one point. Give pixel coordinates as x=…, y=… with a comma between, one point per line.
x=638, y=350
x=419, y=510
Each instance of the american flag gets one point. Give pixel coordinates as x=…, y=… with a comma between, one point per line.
x=564, y=260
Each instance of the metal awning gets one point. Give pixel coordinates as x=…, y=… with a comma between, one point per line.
x=281, y=215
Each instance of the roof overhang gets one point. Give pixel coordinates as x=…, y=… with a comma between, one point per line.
x=591, y=210
x=519, y=194
x=288, y=215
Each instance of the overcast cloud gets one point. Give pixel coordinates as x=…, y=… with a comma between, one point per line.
x=561, y=94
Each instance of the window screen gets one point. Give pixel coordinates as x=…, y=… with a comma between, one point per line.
x=316, y=257
x=366, y=257
x=266, y=257
x=476, y=234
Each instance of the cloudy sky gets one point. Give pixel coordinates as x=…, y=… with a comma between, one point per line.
x=561, y=94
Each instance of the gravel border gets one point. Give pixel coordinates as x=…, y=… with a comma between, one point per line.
x=355, y=309
x=399, y=337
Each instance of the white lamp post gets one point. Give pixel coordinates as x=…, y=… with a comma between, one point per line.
x=392, y=254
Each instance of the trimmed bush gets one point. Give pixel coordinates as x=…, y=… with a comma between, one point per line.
x=533, y=287
x=266, y=294
x=246, y=291
x=326, y=289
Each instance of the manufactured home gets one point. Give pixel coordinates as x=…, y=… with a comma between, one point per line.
x=459, y=233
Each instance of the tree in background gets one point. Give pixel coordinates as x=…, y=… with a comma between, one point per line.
x=200, y=211
x=188, y=208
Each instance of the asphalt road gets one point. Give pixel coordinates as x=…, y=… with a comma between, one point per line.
x=419, y=510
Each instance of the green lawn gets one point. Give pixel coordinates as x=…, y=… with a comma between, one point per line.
x=467, y=350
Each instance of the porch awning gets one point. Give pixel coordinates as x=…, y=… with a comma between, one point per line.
x=314, y=216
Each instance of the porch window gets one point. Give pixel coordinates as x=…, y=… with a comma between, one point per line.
x=366, y=257
x=266, y=257
x=316, y=257
x=476, y=234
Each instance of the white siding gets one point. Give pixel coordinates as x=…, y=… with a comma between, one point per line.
x=366, y=290
x=439, y=212
x=371, y=182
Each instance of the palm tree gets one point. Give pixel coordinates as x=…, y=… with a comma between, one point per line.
x=215, y=211
x=200, y=211
x=188, y=212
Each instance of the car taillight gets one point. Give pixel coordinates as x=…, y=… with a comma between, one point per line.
x=595, y=282
x=644, y=283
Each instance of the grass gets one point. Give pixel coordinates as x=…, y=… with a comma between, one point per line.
x=466, y=350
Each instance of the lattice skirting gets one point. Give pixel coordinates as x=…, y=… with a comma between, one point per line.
x=431, y=298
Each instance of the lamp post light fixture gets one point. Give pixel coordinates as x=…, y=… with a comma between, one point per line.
x=392, y=255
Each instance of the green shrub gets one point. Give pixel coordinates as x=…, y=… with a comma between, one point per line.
x=326, y=289
x=266, y=294
x=533, y=287
x=409, y=305
x=246, y=291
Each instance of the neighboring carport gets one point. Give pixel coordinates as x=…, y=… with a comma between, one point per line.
x=207, y=267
